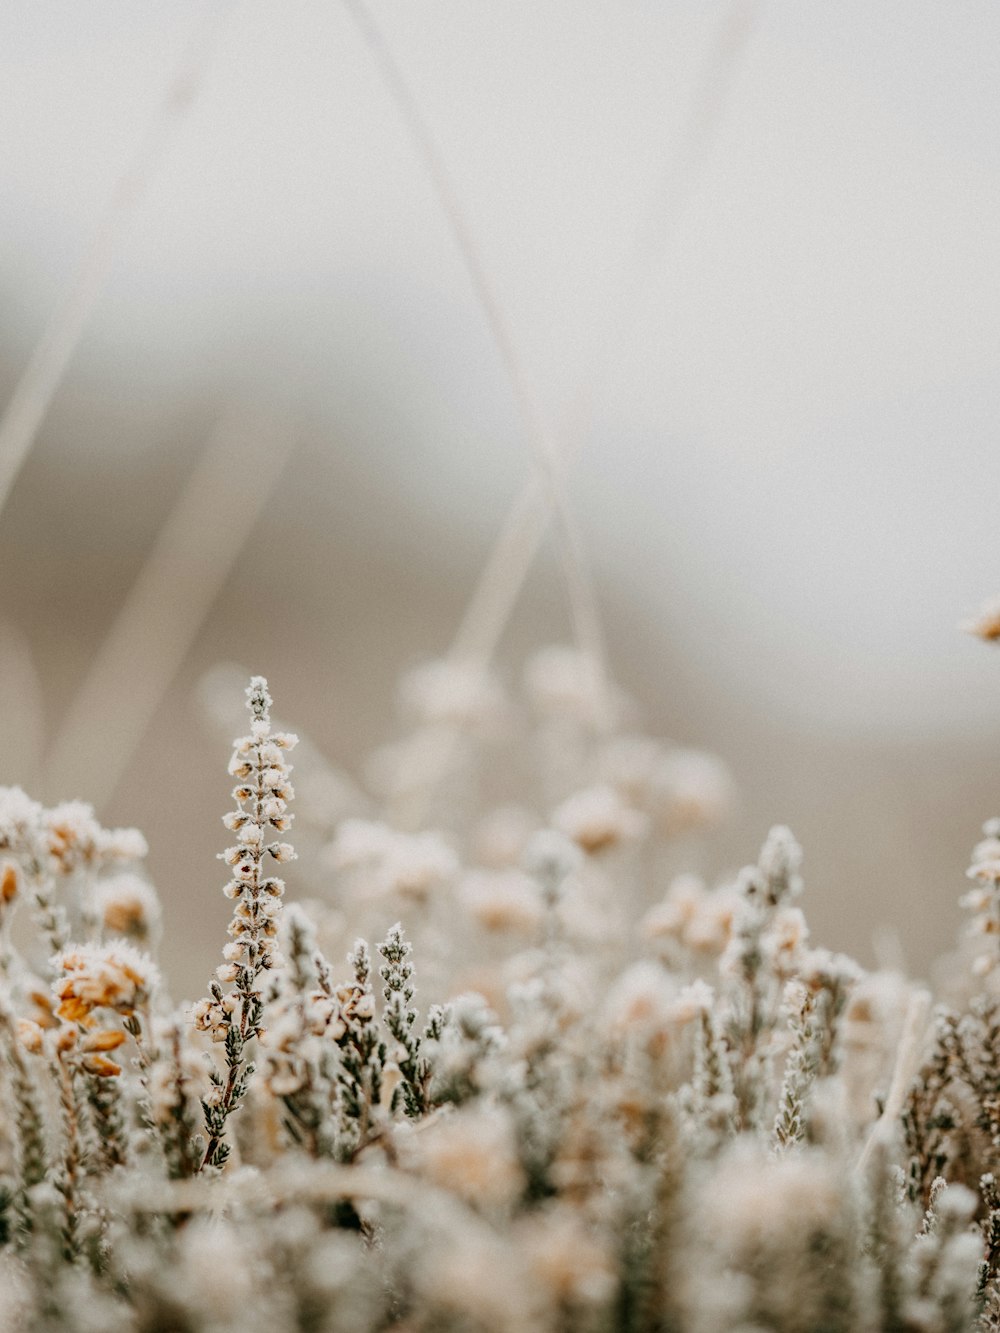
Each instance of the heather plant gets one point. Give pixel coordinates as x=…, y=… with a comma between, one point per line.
x=577, y=1090
x=573, y=1086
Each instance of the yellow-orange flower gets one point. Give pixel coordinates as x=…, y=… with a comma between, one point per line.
x=113, y=976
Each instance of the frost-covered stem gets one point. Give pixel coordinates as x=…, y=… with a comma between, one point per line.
x=49, y=915
x=306, y=1121
x=30, y=1123
x=235, y=1019
x=105, y=1101
x=800, y=1071
x=309, y=1120
x=989, y=1269
x=249, y=1008
x=712, y=1082
x=907, y=1060
x=885, y=1240
x=10, y=959
x=250, y=1005
x=142, y=1063
x=764, y=888
x=922, y=1127
x=67, y=1181
x=31, y=1145
x=400, y=1018
x=183, y=1146
x=237, y=1078
x=749, y=1020
x=362, y=1059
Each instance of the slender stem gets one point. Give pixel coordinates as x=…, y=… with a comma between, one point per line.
x=579, y=589
x=69, y=1181
x=524, y=527
x=249, y=997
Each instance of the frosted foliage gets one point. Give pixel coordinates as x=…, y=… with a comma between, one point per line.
x=561, y=1089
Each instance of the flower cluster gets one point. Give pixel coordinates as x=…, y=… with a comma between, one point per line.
x=983, y=901
x=234, y=1017
x=628, y=1110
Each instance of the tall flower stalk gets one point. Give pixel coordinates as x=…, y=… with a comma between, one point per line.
x=233, y=1010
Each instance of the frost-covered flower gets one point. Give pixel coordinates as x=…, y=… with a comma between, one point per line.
x=74, y=839
x=102, y=976
x=568, y=685
x=692, y=916
x=418, y=865
x=642, y=999
x=126, y=904
x=234, y=1018
x=87, y=1048
x=21, y=821
x=689, y=789
x=10, y=883
x=502, y=900
x=784, y=941
x=742, y=1131
x=983, y=901
x=410, y=865
x=986, y=855
x=691, y=1002
x=597, y=819
x=454, y=692
x=551, y=857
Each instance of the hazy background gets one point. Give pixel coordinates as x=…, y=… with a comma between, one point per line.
x=787, y=485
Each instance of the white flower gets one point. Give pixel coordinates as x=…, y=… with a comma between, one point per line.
x=121, y=844
x=126, y=904
x=502, y=900
x=785, y=940
x=698, y=918
x=456, y=693
x=359, y=842
x=413, y=865
x=418, y=864
x=20, y=820
x=551, y=857
x=691, y=1002
x=597, y=818
x=670, y=918
x=567, y=684
x=250, y=834
x=689, y=789
x=111, y=976
x=642, y=999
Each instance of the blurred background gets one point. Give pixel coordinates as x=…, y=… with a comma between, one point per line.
x=747, y=257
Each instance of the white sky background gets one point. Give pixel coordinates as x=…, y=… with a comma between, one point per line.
x=793, y=466
x=798, y=426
